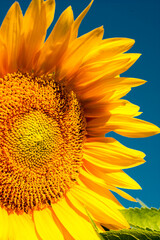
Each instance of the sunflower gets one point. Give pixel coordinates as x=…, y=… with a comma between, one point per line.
x=58, y=99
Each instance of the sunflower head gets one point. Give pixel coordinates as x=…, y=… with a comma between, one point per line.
x=58, y=99
x=42, y=137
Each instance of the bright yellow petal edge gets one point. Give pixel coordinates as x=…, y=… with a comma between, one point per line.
x=59, y=98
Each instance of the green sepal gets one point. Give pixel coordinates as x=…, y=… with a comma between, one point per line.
x=94, y=226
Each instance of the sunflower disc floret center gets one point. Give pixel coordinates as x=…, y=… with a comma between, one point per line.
x=42, y=132
x=34, y=139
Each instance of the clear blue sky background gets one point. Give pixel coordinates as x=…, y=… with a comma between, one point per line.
x=140, y=20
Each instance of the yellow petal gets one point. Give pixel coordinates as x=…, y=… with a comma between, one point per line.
x=62, y=27
x=78, y=49
x=96, y=128
x=66, y=234
x=122, y=194
x=131, y=127
x=108, y=69
x=5, y=223
x=101, y=86
x=10, y=33
x=45, y=225
x=56, y=44
x=78, y=21
x=99, y=108
x=96, y=110
x=102, y=211
x=33, y=34
x=116, y=178
x=128, y=109
x=112, y=67
x=3, y=58
x=102, y=184
x=21, y=227
x=97, y=123
x=50, y=9
x=73, y=202
x=74, y=222
x=80, y=209
x=108, y=153
x=122, y=180
x=119, y=94
x=109, y=48
x=99, y=186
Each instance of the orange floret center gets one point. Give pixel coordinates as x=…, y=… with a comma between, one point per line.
x=42, y=132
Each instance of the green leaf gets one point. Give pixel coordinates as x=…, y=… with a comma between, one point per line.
x=132, y=234
x=143, y=218
x=145, y=223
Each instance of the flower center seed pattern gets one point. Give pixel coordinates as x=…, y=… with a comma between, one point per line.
x=42, y=131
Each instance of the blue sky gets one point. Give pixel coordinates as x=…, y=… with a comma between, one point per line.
x=140, y=20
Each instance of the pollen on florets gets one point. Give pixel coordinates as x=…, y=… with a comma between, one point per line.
x=42, y=131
